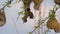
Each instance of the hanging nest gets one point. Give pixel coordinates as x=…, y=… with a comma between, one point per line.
x=27, y=14
x=2, y=17
x=52, y=23
x=37, y=4
x=57, y=28
x=57, y=2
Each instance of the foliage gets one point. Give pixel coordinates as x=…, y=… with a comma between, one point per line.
x=28, y=13
x=8, y=3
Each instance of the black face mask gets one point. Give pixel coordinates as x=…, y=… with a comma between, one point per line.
x=2, y=17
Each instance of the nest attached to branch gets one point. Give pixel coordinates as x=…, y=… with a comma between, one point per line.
x=52, y=23
x=2, y=17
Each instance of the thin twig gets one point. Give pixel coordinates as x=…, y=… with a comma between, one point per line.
x=42, y=21
x=56, y=8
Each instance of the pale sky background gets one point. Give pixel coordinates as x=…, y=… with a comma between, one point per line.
x=11, y=16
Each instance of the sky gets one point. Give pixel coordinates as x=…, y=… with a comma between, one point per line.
x=17, y=27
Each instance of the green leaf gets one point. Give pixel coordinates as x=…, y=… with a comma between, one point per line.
x=18, y=0
x=8, y=3
x=19, y=13
x=30, y=32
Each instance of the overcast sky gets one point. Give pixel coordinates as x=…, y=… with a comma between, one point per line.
x=11, y=16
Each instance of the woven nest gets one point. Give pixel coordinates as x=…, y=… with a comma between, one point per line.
x=2, y=18
x=53, y=24
x=57, y=2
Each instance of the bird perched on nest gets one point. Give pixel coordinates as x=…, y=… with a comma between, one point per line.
x=28, y=12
